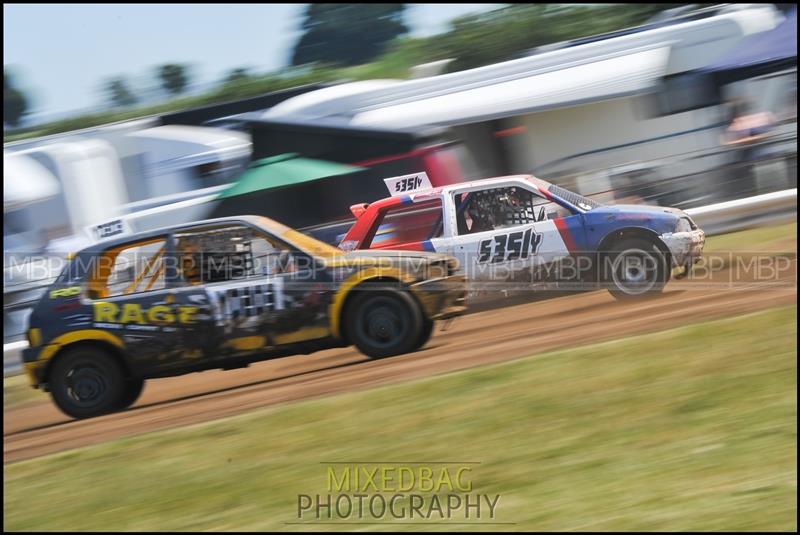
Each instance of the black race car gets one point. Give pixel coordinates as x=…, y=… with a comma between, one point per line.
x=223, y=293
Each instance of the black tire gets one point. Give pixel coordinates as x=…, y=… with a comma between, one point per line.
x=87, y=382
x=635, y=268
x=425, y=334
x=133, y=389
x=383, y=322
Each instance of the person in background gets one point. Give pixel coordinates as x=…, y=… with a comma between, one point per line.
x=746, y=128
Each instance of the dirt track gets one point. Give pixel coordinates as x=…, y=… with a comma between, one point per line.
x=485, y=337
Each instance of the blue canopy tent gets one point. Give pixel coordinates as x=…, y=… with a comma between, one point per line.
x=759, y=54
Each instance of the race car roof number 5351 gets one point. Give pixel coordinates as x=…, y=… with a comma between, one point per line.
x=405, y=184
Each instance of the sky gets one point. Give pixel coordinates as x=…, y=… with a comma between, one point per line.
x=60, y=55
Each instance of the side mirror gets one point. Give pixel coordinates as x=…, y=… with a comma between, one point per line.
x=541, y=214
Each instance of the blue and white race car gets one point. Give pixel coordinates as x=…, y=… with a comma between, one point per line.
x=522, y=230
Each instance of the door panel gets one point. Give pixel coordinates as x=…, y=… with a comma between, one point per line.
x=131, y=297
x=161, y=329
x=528, y=233
x=261, y=293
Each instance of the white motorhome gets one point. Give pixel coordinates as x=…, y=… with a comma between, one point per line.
x=122, y=168
x=590, y=104
x=57, y=188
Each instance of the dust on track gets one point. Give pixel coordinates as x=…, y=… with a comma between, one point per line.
x=486, y=337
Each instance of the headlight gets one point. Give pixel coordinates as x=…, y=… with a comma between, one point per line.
x=348, y=245
x=684, y=225
x=437, y=270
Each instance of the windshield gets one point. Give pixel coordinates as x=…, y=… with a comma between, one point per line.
x=300, y=240
x=584, y=203
x=311, y=245
x=580, y=201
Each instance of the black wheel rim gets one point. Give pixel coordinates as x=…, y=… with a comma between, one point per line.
x=86, y=384
x=384, y=322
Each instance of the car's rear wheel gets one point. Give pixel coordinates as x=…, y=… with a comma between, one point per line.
x=635, y=268
x=87, y=382
x=383, y=322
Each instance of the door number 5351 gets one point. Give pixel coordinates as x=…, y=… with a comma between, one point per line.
x=507, y=247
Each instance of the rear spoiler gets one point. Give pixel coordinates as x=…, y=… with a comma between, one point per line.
x=358, y=209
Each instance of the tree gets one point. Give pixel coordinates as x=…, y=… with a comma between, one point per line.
x=119, y=94
x=240, y=74
x=348, y=34
x=15, y=104
x=174, y=78
x=506, y=33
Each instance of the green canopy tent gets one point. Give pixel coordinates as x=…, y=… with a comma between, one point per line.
x=299, y=192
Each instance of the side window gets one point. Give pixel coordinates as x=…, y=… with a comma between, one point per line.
x=497, y=208
x=408, y=224
x=136, y=268
x=217, y=254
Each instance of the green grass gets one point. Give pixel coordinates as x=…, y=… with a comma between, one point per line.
x=17, y=391
x=778, y=238
x=691, y=428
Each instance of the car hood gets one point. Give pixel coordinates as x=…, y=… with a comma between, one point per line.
x=638, y=208
x=411, y=261
x=393, y=254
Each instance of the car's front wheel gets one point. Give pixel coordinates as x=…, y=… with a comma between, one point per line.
x=133, y=389
x=87, y=382
x=425, y=334
x=383, y=322
x=635, y=268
